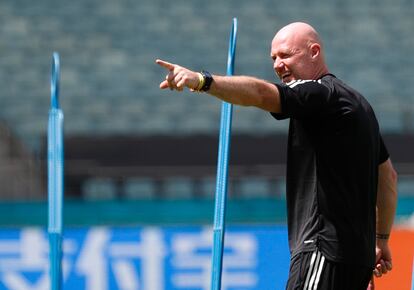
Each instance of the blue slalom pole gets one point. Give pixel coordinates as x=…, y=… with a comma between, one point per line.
x=222, y=172
x=55, y=178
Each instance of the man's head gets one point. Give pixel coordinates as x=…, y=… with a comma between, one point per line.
x=297, y=53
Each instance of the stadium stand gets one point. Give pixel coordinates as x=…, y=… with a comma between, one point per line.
x=110, y=83
x=168, y=166
x=19, y=172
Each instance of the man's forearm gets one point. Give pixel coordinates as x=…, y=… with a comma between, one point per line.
x=386, y=198
x=246, y=91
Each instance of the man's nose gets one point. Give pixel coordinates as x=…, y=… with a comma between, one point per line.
x=278, y=65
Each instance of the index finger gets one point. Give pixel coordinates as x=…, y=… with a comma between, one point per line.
x=165, y=64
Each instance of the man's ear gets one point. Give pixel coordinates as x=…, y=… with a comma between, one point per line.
x=315, y=50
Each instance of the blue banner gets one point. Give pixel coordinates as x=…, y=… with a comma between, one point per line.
x=146, y=258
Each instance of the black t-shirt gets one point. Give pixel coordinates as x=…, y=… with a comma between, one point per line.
x=334, y=150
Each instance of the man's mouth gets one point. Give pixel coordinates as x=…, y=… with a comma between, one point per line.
x=285, y=77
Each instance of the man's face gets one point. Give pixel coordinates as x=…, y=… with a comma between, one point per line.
x=291, y=58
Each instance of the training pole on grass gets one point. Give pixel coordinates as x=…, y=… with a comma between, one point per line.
x=55, y=178
x=222, y=172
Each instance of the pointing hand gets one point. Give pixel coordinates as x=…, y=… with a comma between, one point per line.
x=178, y=77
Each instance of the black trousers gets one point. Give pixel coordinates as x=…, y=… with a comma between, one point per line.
x=311, y=271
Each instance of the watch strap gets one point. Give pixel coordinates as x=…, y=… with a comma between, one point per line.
x=208, y=79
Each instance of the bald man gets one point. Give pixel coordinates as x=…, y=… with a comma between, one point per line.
x=341, y=185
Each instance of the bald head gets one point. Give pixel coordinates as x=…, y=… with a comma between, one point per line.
x=297, y=51
x=299, y=32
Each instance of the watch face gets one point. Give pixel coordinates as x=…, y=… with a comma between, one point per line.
x=208, y=80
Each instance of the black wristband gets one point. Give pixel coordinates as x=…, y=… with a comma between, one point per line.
x=208, y=79
x=383, y=236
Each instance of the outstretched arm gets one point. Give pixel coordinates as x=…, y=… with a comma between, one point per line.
x=386, y=205
x=238, y=90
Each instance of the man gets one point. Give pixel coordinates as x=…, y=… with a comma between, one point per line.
x=339, y=175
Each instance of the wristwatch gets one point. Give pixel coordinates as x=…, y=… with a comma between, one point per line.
x=208, y=79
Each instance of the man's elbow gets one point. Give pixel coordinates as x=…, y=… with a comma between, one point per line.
x=393, y=177
x=388, y=178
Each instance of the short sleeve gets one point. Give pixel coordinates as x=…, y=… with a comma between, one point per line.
x=302, y=99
